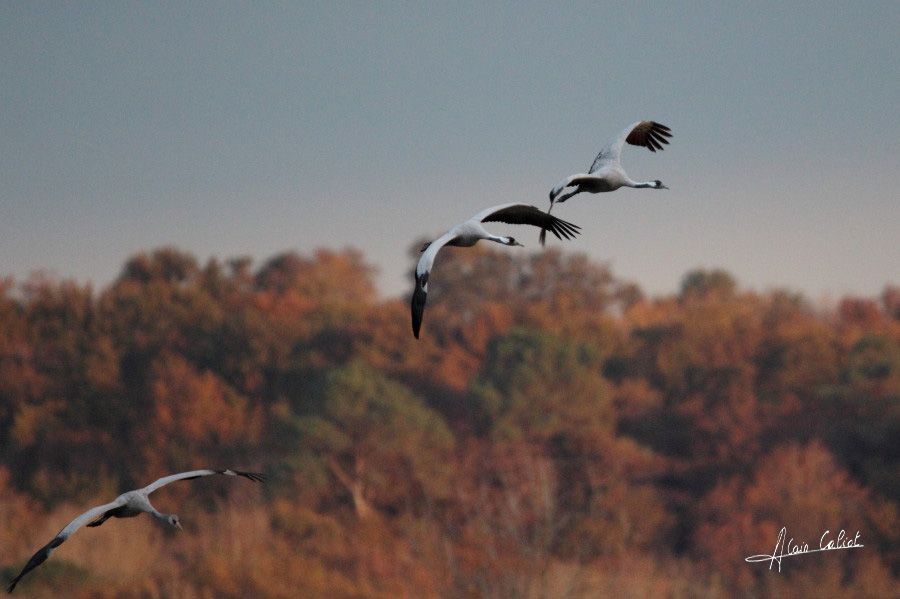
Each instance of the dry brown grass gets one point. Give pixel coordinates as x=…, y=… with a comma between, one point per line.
x=633, y=576
x=239, y=549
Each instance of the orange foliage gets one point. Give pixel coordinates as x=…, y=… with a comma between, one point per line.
x=554, y=432
x=194, y=410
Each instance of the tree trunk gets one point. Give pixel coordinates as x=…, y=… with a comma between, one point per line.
x=355, y=486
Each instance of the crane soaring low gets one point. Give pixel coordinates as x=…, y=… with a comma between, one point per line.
x=126, y=505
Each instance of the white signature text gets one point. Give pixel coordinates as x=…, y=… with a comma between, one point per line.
x=827, y=542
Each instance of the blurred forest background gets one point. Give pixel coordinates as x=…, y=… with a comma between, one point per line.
x=555, y=432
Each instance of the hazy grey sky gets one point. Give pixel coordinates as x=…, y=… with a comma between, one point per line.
x=253, y=128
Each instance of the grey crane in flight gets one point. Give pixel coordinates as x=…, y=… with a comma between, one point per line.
x=606, y=172
x=126, y=505
x=470, y=232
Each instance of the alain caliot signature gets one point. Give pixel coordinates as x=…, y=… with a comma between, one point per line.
x=827, y=542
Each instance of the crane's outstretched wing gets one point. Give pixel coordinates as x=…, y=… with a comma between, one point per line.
x=523, y=214
x=197, y=474
x=649, y=134
x=423, y=270
x=44, y=552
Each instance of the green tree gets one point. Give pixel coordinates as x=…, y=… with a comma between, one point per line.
x=377, y=440
x=860, y=418
x=164, y=264
x=703, y=283
x=535, y=386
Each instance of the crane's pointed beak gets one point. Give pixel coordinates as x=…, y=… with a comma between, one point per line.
x=178, y=526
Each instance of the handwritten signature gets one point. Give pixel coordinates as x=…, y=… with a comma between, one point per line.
x=787, y=549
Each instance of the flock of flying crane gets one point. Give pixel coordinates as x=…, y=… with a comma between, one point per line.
x=606, y=174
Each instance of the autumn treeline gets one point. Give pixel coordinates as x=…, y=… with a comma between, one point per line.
x=555, y=432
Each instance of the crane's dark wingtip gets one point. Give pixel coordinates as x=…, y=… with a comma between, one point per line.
x=563, y=230
x=12, y=584
x=418, y=303
x=418, y=309
x=254, y=476
x=36, y=560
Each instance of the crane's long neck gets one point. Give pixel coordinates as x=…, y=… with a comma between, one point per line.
x=167, y=519
x=164, y=518
x=146, y=506
x=644, y=184
x=640, y=184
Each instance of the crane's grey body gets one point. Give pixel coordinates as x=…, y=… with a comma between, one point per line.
x=468, y=234
x=608, y=178
x=131, y=504
x=127, y=505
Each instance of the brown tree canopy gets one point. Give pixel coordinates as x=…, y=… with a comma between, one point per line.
x=555, y=431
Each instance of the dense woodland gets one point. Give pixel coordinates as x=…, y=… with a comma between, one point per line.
x=556, y=433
